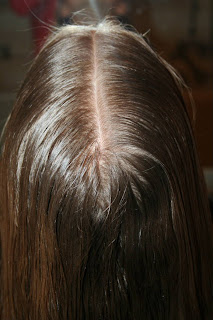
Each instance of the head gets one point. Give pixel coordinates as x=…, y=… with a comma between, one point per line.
x=104, y=209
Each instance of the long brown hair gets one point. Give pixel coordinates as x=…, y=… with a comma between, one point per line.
x=104, y=213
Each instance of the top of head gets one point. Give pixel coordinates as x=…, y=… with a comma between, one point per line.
x=96, y=97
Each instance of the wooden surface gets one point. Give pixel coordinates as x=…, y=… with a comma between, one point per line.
x=204, y=125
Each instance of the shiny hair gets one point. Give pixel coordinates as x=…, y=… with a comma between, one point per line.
x=104, y=213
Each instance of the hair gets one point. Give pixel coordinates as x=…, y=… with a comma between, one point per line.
x=104, y=213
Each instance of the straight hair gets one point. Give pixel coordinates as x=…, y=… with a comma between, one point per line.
x=104, y=212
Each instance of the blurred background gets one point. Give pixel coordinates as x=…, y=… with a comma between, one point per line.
x=181, y=30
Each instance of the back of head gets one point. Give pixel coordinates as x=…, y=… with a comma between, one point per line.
x=104, y=210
